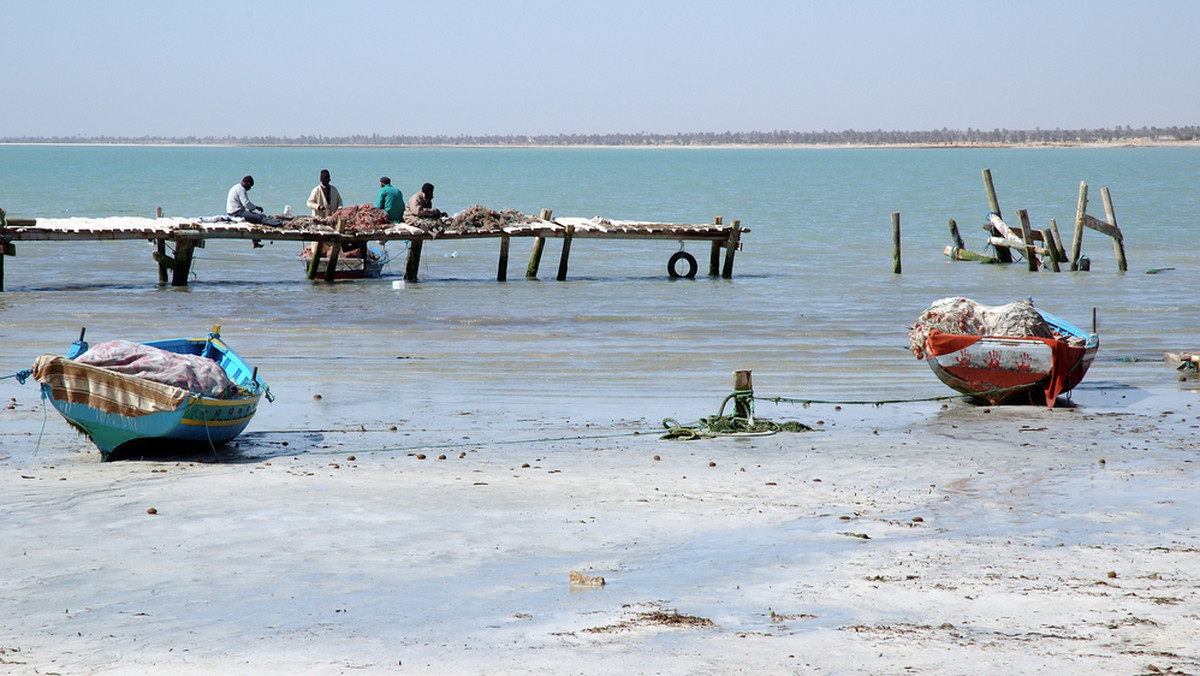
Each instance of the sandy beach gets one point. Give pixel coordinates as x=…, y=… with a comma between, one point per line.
x=924, y=538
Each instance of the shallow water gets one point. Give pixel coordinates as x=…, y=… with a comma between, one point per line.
x=813, y=309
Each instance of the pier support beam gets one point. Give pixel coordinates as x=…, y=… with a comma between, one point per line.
x=896, y=268
x=1002, y=254
x=539, y=245
x=183, y=261
x=731, y=246
x=1118, y=240
x=160, y=255
x=566, y=253
x=502, y=266
x=414, y=260
x=714, y=255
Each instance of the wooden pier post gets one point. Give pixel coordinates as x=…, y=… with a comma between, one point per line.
x=158, y=213
x=414, y=260
x=1003, y=254
x=1059, y=250
x=539, y=244
x=314, y=261
x=3, y=246
x=1027, y=237
x=955, y=236
x=1077, y=237
x=183, y=261
x=1051, y=248
x=566, y=253
x=714, y=256
x=160, y=248
x=735, y=236
x=896, y=242
x=335, y=250
x=502, y=267
x=1118, y=240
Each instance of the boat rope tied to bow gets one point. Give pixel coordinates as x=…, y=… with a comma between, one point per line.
x=21, y=375
x=741, y=423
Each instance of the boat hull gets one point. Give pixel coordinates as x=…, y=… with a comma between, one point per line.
x=115, y=409
x=998, y=369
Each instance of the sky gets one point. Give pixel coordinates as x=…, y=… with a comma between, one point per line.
x=445, y=67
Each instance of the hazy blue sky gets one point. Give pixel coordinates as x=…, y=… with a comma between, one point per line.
x=132, y=67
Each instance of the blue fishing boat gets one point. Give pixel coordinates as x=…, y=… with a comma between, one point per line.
x=165, y=394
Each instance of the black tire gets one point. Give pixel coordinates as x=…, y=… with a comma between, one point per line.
x=682, y=256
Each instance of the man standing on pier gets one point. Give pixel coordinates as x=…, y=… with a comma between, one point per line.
x=324, y=199
x=239, y=205
x=390, y=200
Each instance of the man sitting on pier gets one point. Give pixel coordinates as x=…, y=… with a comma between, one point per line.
x=239, y=205
x=420, y=206
x=390, y=200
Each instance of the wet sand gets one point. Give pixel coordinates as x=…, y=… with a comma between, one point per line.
x=923, y=538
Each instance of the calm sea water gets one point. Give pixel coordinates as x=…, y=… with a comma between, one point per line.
x=814, y=308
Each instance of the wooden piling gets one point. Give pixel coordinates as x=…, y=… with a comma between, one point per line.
x=994, y=204
x=1077, y=237
x=183, y=261
x=1027, y=237
x=160, y=249
x=896, y=242
x=314, y=261
x=1060, y=251
x=502, y=267
x=539, y=245
x=1051, y=248
x=335, y=250
x=566, y=253
x=414, y=260
x=714, y=255
x=1117, y=239
x=735, y=236
x=158, y=213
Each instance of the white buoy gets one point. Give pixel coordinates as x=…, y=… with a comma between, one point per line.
x=398, y=284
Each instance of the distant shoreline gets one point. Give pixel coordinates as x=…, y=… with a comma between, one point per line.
x=1128, y=143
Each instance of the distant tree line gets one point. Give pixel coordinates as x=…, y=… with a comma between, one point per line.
x=936, y=137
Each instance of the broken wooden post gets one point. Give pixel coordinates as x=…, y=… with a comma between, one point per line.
x=158, y=214
x=539, y=244
x=1077, y=237
x=1051, y=248
x=1060, y=251
x=714, y=255
x=502, y=267
x=955, y=237
x=414, y=259
x=731, y=246
x=1027, y=238
x=314, y=261
x=994, y=204
x=566, y=253
x=896, y=242
x=1118, y=239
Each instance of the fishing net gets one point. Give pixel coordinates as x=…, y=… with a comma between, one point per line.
x=964, y=316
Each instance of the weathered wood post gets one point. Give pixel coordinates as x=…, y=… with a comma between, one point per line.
x=539, y=244
x=158, y=213
x=743, y=390
x=1077, y=237
x=896, y=268
x=314, y=261
x=1118, y=239
x=955, y=236
x=1059, y=250
x=566, y=253
x=735, y=236
x=335, y=249
x=1027, y=237
x=183, y=261
x=1003, y=254
x=3, y=246
x=502, y=267
x=160, y=255
x=1051, y=248
x=714, y=256
x=414, y=259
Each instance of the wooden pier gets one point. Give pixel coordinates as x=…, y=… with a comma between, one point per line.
x=177, y=239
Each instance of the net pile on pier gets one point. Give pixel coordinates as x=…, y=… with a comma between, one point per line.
x=360, y=217
x=964, y=316
x=482, y=218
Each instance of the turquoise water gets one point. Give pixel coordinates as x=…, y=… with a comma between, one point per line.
x=814, y=308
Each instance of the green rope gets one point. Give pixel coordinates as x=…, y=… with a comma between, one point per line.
x=881, y=402
x=730, y=425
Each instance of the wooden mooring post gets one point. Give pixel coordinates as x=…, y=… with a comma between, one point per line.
x=714, y=256
x=1003, y=255
x=1084, y=220
x=896, y=268
x=743, y=395
x=566, y=253
x=731, y=247
x=539, y=245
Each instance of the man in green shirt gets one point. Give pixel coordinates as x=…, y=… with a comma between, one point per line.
x=390, y=200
